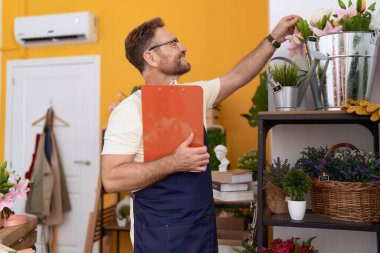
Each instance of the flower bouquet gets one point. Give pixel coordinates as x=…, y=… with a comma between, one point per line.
x=291, y=246
x=343, y=47
x=12, y=187
x=346, y=182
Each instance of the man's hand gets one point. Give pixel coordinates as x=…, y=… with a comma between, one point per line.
x=190, y=159
x=284, y=28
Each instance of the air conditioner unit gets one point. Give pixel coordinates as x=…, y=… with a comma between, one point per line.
x=63, y=28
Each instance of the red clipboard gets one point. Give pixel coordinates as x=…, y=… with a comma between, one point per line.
x=170, y=113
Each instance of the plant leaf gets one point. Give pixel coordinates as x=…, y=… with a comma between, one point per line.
x=341, y=4
x=372, y=7
x=349, y=3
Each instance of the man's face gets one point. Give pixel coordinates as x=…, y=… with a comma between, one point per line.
x=171, y=55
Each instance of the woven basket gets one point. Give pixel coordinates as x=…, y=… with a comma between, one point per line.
x=346, y=200
x=276, y=199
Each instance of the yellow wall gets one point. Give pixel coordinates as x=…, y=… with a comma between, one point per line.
x=217, y=34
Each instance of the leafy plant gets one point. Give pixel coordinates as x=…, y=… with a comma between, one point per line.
x=353, y=166
x=312, y=161
x=215, y=137
x=291, y=246
x=304, y=28
x=123, y=212
x=277, y=171
x=259, y=101
x=285, y=74
x=247, y=249
x=296, y=184
x=343, y=165
x=249, y=161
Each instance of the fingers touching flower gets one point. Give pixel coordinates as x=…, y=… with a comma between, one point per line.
x=346, y=13
x=375, y=22
x=318, y=16
x=327, y=30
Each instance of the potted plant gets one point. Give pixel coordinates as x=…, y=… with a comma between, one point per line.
x=291, y=246
x=274, y=181
x=249, y=161
x=123, y=212
x=296, y=185
x=287, y=79
x=348, y=176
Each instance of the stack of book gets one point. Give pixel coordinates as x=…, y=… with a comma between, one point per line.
x=232, y=185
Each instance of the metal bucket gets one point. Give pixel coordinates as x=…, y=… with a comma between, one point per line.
x=286, y=99
x=349, y=71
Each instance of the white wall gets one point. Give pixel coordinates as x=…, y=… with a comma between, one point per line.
x=288, y=141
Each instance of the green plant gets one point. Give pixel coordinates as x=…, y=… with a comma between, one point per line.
x=215, y=137
x=259, y=101
x=247, y=249
x=277, y=171
x=249, y=161
x=286, y=74
x=344, y=165
x=296, y=184
x=123, y=212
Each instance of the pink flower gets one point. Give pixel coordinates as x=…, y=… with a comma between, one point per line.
x=327, y=30
x=20, y=189
x=6, y=201
x=296, y=45
x=346, y=13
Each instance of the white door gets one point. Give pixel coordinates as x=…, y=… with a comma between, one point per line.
x=71, y=86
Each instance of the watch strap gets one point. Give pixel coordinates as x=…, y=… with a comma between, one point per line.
x=274, y=42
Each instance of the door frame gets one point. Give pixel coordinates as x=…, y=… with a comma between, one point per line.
x=93, y=60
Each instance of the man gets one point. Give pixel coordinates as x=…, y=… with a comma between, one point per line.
x=173, y=208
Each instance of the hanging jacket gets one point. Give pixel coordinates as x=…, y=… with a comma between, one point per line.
x=49, y=197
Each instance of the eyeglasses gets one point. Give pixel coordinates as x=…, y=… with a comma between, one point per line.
x=173, y=42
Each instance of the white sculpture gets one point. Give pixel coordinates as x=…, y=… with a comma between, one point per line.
x=220, y=153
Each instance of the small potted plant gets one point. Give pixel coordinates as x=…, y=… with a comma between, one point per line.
x=287, y=80
x=123, y=212
x=296, y=185
x=274, y=181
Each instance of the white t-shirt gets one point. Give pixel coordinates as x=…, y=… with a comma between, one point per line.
x=124, y=130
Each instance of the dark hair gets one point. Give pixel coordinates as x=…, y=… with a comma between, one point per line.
x=138, y=40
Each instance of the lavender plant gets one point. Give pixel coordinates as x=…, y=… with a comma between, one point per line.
x=343, y=165
x=353, y=166
x=312, y=161
x=277, y=171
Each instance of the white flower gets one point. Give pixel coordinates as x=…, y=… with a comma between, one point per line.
x=375, y=22
x=318, y=16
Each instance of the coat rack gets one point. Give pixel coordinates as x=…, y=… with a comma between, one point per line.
x=49, y=118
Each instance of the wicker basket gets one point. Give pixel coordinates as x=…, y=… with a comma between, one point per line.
x=276, y=199
x=346, y=200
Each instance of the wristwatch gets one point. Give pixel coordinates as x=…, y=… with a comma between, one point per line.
x=274, y=42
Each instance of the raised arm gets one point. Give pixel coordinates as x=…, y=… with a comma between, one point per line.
x=120, y=173
x=248, y=67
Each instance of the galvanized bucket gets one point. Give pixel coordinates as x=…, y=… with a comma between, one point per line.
x=286, y=99
x=348, y=72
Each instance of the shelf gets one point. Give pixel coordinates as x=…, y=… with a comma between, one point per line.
x=268, y=120
x=114, y=227
x=233, y=204
x=312, y=220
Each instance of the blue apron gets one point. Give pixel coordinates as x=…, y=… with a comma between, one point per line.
x=176, y=215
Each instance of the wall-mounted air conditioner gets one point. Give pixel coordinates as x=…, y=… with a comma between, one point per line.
x=63, y=28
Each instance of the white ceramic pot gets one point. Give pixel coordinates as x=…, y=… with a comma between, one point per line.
x=297, y=209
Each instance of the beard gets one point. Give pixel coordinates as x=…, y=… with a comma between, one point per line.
x=177, y=67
